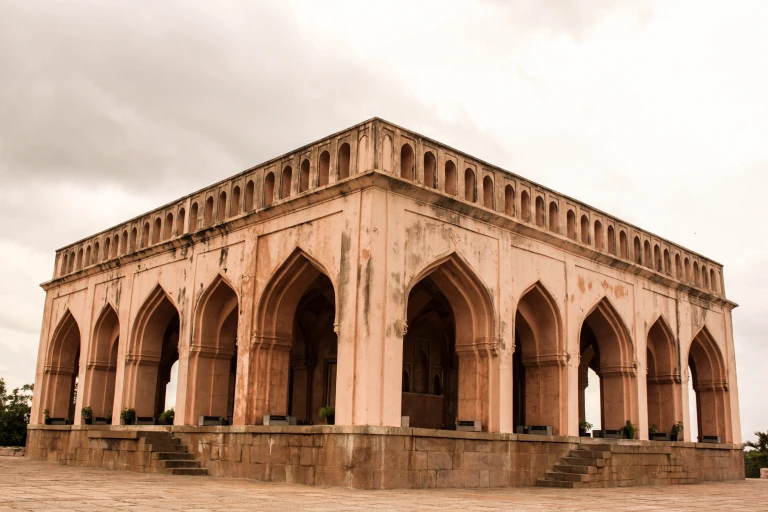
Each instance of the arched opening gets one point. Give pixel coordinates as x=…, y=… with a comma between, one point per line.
x=647, y=254
x=525, y=206
x=269, y=189
x=79, y=264
x=221, y=209
x=667, y=262
x=598, y=235
x=168, y=232
x=324, y=168
x=687, y=267
x=107, y=248
x=234, y=205
x=213, y=354
x=657, y=258
x=623, y=245
x=208, y=212
x=663, y=383
x=488, y=192
x=554, y=218
x=448, y=293
x=386, y=154
x=193, y=214
x=509, y=201
x=584, y=230
x=606, y=348
x=451, y=184
x=344, y=161
x=696, y=275
x=304, y=176
x=611, y=240
x=430, y=166
x=124, y=243
x=63, y=269
x=541, y=214
x=712, y=281
x=406, y=162
x=152, y=351
x=87, y=257
x=71, y=262
x=539, y=363
x=97, y=253
x=62, y=367
x=249, y=192
x=295, y=337
x=470, y=191
x=99, y=389
x=678, y=267
x=134, y=234
x=704, y=277
x=145, y=235
x=638, y=251
x=156, y=230
x=286, y=183
x=570, y=222
x=180, y=220
x=710, y=384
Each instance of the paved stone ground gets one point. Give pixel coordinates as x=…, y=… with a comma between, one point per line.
x=32, y=485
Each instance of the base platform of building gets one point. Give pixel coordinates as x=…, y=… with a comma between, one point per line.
x=372, y=457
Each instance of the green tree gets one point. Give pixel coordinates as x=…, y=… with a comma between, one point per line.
x=14, y=414
x=757, y=457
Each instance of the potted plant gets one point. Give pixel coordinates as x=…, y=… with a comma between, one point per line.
x=329, y=414
x=108, y=417
x=653, y=429
x=629, y=430
x=584, y=428
x=47, y=416
x=166, y=418
x=87, y=414
x=677, y=431
x=128, y=416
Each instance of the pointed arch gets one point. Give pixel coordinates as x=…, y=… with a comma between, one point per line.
x=475, y=343
x=62, y=366
x=213, y=353
x=152, y=349
x=663, y=382
x=99, y=389
x=274, y=325
x=605, y=332
x=539, y=361
x=710, y=383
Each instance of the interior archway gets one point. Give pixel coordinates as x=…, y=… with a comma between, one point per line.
x=152, y=351
x=606, y=348
x=61, y=370
x=663, y=381
x=213, y=354
x=539, y=362
x=281, y=309
x=710, y=383
x=474, y=345
x=102, y=364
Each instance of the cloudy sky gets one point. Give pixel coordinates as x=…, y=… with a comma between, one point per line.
x=656, y=112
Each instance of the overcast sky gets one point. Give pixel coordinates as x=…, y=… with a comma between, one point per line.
x=656, y=112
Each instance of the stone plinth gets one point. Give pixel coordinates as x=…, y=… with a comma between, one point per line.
x=764, y=473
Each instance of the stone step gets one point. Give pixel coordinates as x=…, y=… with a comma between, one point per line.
x=167, y=448
x=159, y=440
x=173, y=456
x=562, y=484
x=590, y=454
x=599, y=447
x=189, y=471
x=583, y=461
x=568, y=468
x=169, y=464
x=567, y=477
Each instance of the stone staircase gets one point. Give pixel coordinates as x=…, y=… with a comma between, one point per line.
x=168, y=455
x=578, y=467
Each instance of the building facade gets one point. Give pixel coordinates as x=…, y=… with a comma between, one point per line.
x=387, y=275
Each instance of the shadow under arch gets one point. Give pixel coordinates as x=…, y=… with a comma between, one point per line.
x=275, y=331
x=606, y=347
x=475, y=346
x=540, y=394
x=710, y=383
x=152, y=350
x=663, y=382
x=62, y=364
x=99, y=390
x=213, y=353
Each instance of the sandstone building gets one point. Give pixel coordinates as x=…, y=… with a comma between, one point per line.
x=406, y=284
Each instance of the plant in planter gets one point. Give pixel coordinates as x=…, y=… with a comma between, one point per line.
x=584, y=428
x=47, y=416
x=166, y=418
x=329, y=414
x=629, y=430
x=128, y=416
x=108, y=417
x=87, y=415
x=677, y=431
x=653, y=429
